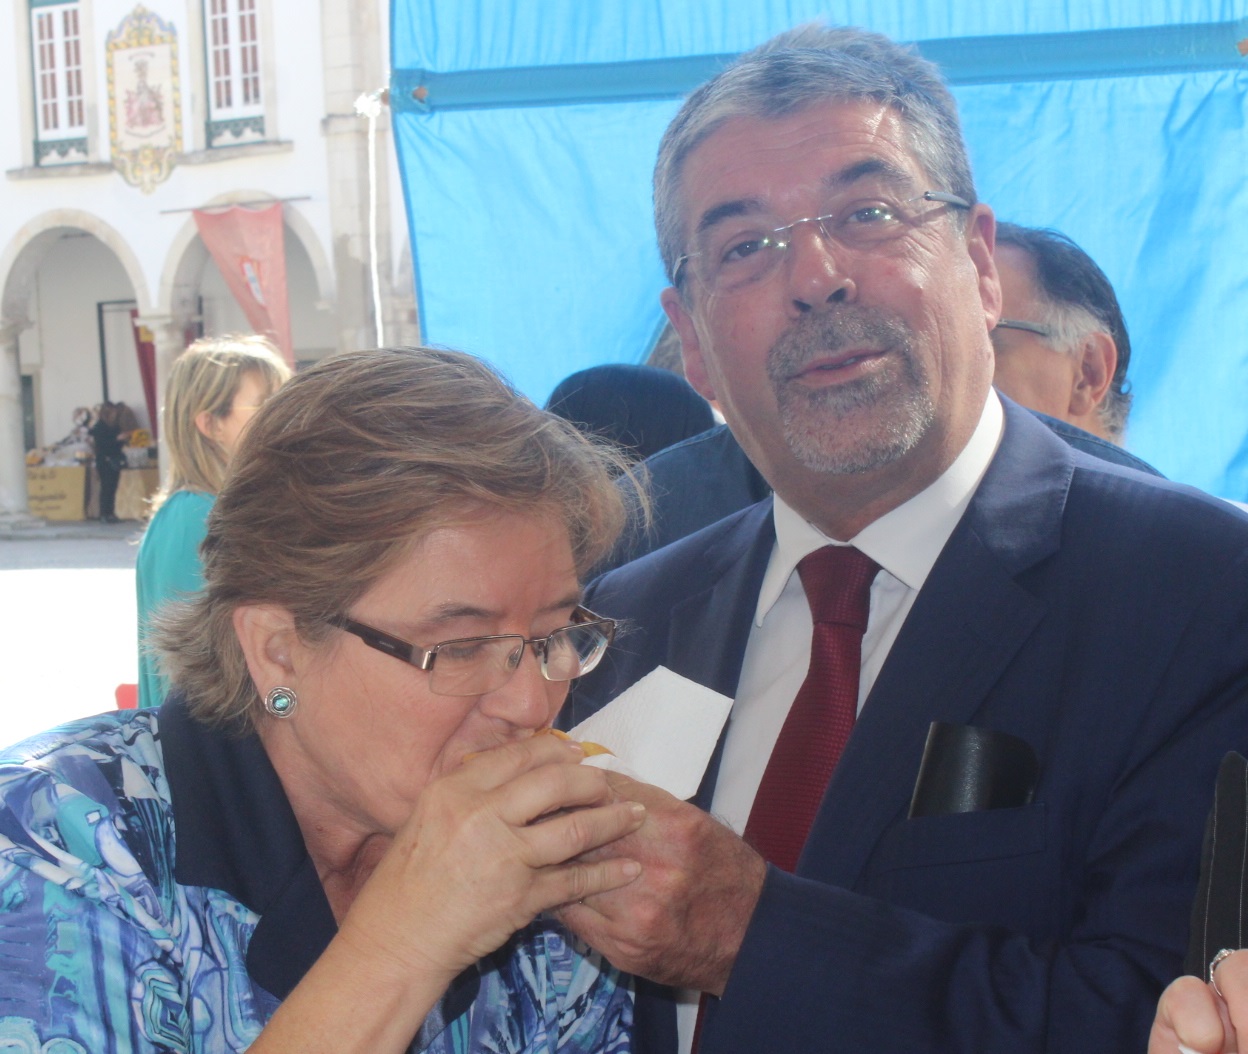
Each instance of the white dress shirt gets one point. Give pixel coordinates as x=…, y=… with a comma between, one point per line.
x=905, y=543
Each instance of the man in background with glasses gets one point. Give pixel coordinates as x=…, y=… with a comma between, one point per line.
x=1062, y=346
x=1028, y=662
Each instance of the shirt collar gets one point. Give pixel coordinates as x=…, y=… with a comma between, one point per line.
x=236, y=832
x=905, y=541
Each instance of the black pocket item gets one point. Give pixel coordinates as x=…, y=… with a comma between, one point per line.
x=971, y=769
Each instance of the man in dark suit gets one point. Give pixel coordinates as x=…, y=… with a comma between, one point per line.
x=700, y=480
x=833, y=286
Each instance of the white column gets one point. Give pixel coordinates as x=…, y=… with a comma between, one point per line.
x=351, y=36
x=13, y=508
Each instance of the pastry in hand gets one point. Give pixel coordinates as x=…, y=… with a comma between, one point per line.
x=590, y=748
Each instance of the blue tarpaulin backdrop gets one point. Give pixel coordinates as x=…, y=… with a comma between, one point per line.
x=526, y=132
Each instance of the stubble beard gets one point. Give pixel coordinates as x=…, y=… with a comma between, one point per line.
x=862, y=425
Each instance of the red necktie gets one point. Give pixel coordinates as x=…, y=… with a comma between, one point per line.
x=837, y=580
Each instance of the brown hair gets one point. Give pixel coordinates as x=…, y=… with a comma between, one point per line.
x=342, y=470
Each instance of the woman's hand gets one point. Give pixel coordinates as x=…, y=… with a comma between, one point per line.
x=1192, y=1018
x=488, y=848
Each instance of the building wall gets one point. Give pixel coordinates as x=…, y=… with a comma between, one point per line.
x=74, y=235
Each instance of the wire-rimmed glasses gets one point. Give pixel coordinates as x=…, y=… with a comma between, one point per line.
x=737, y=252
x=476, y=665
x=1026, y=327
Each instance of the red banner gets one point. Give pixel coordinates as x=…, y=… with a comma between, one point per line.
x=145, y=348
x=249, y=249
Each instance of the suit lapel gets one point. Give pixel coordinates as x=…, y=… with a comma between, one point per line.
x=967, y=624
x=704, y=647
x=708, y=630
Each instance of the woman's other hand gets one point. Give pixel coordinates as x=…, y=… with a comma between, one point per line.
x=1193, y=1019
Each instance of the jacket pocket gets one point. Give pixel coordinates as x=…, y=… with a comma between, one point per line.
x=988, y=868
x=954, y=838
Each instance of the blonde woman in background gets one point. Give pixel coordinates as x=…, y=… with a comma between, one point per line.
x=215, y=387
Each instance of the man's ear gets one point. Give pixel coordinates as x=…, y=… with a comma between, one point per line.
x=266, y=633
x=981, y=241
x=690, y=347
x=1098, y=359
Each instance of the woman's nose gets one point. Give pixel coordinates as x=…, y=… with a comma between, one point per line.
x=527, y=700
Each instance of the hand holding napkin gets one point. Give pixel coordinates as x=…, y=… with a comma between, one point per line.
x=662, y=730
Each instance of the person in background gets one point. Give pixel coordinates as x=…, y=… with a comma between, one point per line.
x=1195, y=1017
x=214, y=389
x=647, y=411
x=107, y=439
x=1061, y=344
x=692, y=484
x=328, y=838
x=643, y=409
x=980, y=681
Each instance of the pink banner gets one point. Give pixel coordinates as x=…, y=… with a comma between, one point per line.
x=249, y=249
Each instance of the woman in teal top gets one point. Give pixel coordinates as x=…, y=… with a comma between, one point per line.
x=168, y=567
x=214, y=388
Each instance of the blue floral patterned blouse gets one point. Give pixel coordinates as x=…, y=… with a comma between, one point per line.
x=156, y=895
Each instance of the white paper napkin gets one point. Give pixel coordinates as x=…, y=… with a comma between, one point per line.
x=662, y=730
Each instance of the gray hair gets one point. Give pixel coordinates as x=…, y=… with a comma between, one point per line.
x=1069, y=325
x=812, y=64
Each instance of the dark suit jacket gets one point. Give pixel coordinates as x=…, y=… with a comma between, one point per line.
x=1097, y=613
x=692, y=484
x=707, y=477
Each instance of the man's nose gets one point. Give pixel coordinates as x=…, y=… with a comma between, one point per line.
x=816, y=269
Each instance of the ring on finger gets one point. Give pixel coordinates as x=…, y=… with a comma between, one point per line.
x=1214, y=963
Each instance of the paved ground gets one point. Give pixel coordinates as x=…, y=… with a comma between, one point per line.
x=67, y=623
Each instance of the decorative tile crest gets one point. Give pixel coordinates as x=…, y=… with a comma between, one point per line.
x=144, y=100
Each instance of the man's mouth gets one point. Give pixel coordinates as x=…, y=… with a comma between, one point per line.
x=836, y=364
x=839, y=349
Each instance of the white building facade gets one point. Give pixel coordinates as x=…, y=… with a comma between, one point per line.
x=118, y=121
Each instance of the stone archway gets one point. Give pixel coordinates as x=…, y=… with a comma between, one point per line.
x=67, y=283
x=21, y=257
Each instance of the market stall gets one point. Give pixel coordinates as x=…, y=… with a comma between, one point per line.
x=62, y=483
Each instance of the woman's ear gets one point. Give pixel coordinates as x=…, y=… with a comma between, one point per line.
x=207, y=424
x=267, y=635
